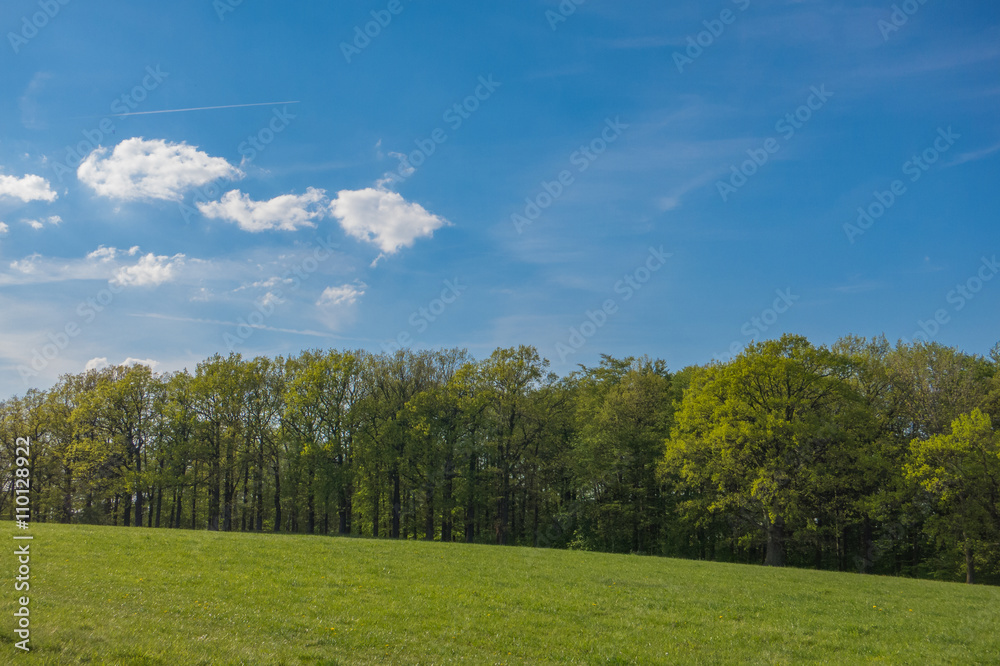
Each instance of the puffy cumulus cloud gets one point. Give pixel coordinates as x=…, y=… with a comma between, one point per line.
x=288, y=212
x=40, y=223
x=28, y=188
x=97, y=363
x=151, y=270
x=384, y=218
x=3, y=228
x=138, y=169
x=345, y=294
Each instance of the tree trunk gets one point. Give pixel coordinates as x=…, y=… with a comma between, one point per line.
x=775, y=556
x=867, y=547
x=311, y=503
x=246, y=498
x=127, y=510
x=229, y=491
x=396, y=504
x=159, y=505
x=376, y=496
x=215, y=485
x=970, y=563
x=343, y=527
x=504, y=511
x=277, y=496
x=429, y=523
x=138, y=488
x=259, y=490
x=67, y=512
x=470, y=503
x=447, y=497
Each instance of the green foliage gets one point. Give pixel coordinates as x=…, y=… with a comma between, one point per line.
x=847, y=457
x=960, y=473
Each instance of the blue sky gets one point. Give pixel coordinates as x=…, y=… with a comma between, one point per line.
x=624, y=178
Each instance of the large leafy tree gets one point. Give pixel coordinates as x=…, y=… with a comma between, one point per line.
x=756, y=432
x=960, y=472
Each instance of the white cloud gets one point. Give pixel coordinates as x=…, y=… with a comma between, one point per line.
x=150, y=363
x=101, y=362
x=345, y=294
x=974, y=155
x=266, y=284
x=155, y=169
x=285, y=213
x=270, y=298
x=106, y=254
x=151, y=270
x=40, y=224
x=27, y=188
x=27, y=265
x=384, y=218
x=3, y=228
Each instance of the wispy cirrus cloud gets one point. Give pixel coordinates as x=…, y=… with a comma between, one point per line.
x=974, y=156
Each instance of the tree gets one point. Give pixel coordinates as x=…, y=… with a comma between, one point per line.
x=623, y=414
x=960, y=471
x=319, y=404
x=519, y=397
x=754, y=431
x=118, y=415
x=216, y=394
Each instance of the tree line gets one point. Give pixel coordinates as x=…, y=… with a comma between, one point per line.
x=859, y=456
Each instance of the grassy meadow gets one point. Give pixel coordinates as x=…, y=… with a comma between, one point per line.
x=141, y=596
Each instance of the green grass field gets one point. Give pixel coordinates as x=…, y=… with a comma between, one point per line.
x=139, y=596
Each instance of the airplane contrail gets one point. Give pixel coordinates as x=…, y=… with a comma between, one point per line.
x=198, y=108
